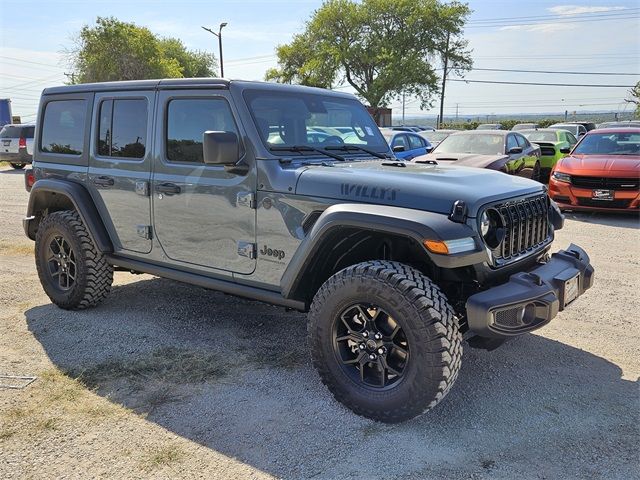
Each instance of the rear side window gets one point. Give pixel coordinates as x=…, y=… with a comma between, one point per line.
x=63, y=127
x=511, y=142
x=522, y=141
x=188, y=119
x=415, y=142
x=122, y=128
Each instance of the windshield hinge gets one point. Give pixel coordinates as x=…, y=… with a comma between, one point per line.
x=246, y=199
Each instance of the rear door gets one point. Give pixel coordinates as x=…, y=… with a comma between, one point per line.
x=204, y=215
x=120, y=166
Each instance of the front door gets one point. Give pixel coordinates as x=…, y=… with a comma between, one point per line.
x=120, y=166
x=204, y=215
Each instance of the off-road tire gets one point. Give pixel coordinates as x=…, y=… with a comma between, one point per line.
x=93, y=274
x=18, y=166
x=426, y=317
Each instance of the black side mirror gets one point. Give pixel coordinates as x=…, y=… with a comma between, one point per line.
x=220, y=148
x=398, y=148
x=565, y=150
x=515, y=150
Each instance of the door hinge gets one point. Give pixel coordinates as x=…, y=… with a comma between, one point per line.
x=144, y=231
x=247, y=249
x=142, y=188
x=244, y=199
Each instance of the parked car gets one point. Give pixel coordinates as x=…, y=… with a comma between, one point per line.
x=506, y=151
x=490, y=126
x=406, y=145
x=524, y=126
x=621, y=124
x=395, y=262
x=587, y=125
x=577, y=130
x=554, y=144
x=16, y=144
x=434, y=137
x=601, y=173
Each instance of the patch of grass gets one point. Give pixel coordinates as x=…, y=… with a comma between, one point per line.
x=166, y=365
x=161, y=457
x=12, y=248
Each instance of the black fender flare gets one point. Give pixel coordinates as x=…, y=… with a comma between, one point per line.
x=417, y=225
x=77, y=194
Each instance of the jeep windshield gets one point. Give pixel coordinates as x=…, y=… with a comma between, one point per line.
x=324, y=122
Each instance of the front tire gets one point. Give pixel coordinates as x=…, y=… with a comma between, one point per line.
x=384, y=340
x=73, y=273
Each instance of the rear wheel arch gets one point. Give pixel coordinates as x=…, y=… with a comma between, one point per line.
x=53, y=195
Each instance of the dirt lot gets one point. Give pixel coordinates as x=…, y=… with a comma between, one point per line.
x=168, y=380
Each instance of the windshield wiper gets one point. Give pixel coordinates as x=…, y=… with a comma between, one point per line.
x=305, y=148
x=346, y=148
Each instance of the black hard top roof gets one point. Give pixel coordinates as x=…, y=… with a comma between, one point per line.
x=172, y=83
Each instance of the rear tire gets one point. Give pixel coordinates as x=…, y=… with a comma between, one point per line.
x=371, y=301
x=18, y=166
x=73, y=273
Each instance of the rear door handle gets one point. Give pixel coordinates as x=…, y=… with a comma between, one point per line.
x=168, y=188
x=104, y=181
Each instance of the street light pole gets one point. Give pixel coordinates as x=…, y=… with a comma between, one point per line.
x=219, y=35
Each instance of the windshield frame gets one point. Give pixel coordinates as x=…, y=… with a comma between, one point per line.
x=382, y=147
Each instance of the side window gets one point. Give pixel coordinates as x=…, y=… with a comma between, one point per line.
x=188, y=119
x=415, y=142
x=400, y=141
x=522, y=142
x=122, y=128
x=511, y=142
x=63, y=127
x=570, y=138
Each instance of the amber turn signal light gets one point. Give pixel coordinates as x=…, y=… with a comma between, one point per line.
x=436, y=246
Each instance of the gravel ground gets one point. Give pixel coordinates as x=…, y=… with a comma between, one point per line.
x=177, y=381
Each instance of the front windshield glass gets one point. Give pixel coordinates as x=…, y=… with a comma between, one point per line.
x=479, y=144
x=294, y=119
x=571, y=128
x=609, y=144
x=434, y=137
x=539, y=136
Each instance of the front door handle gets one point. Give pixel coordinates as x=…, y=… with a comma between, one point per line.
x=168, y=188
x=104, y=181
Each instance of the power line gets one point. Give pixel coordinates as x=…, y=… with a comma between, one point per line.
x=543, y=84
x=549, y=71
x=541, y=17
x=29, y=61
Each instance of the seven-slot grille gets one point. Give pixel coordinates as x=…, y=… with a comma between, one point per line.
x=526, y=226
x=609, y=183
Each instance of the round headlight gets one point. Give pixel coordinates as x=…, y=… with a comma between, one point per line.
x=492, y=228
x=485, y=223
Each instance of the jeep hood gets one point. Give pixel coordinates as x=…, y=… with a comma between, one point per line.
x=431, y=188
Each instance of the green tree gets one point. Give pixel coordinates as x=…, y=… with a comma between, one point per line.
x=114, y=50
x=382, y=48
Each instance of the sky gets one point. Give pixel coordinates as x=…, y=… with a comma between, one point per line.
x=561, y=35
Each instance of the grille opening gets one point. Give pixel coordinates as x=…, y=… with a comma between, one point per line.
x=526, y=223
x=611, y=183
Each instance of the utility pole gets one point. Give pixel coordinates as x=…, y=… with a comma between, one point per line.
x=403, y=95
x=444, y=79
x=457, y=105
x=219, y=35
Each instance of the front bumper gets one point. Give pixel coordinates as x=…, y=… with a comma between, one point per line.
x=530, y=299
x=570, y=197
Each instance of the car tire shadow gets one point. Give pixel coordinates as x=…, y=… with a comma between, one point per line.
x=234, y=376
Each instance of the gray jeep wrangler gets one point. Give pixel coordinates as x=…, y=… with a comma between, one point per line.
x=291, y=196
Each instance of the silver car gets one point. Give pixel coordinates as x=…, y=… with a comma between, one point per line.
x=16, y=144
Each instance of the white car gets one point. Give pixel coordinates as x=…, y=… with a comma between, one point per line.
x=16, y=144
x=575, y=128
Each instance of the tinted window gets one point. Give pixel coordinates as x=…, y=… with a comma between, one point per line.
x=9, y=131
x=609, y=144
x=122, y=129
x=522, y=141
x=63, y=127
x=415, y=142
x=188, y=119
x=570, y=138
x=511, y=142
x=400, y=141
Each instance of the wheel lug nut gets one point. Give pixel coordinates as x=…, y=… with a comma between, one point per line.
x=381, y=350
x=365, y=334
x=372, y=356
x=362, y=346
x=377, y=336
